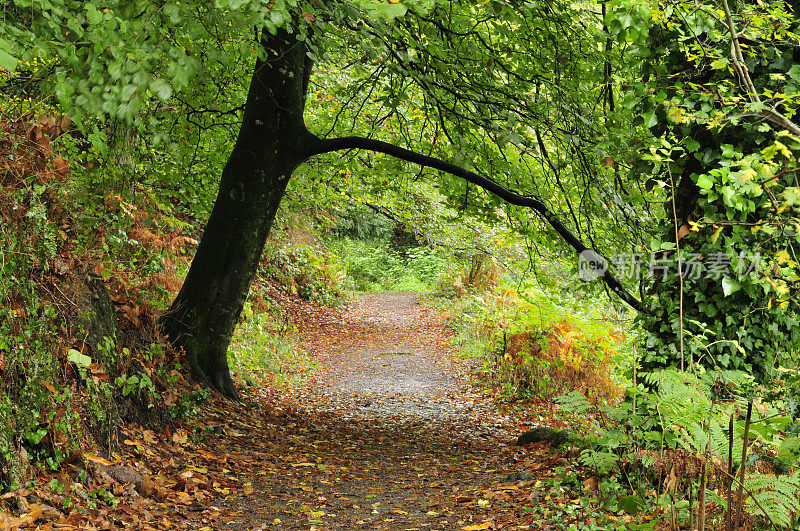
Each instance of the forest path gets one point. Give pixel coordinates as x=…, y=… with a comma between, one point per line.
x=387, y=436
x=388, y=361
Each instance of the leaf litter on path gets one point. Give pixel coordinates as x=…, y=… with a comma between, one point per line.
x=400, y=438
x=388, y=435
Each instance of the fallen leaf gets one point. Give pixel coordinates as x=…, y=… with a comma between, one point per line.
x=97, y=459
x=184, y=498
x=683, y=232
x=180, y=437
x=149, y=437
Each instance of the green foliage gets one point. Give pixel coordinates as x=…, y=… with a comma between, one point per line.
x=189, y=403
x=725, y=160
x=55, y=229
x=307, y=271
x=45, y=243
x=685, y=407
x=602, y=462
x=28, y=342
x=575, y=402
x=373, y=267
x=265, y=347
x=136, y=384
x=363, y=224
x=681, y=420
x=775, y=497
x=119, y=58
x=536, y=341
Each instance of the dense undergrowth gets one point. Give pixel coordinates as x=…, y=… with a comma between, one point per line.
x=695, y=449
x=82, y=285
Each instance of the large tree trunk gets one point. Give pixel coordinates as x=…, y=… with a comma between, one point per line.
x=271, y=141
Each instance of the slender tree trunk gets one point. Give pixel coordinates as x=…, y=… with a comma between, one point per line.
x=271, y=141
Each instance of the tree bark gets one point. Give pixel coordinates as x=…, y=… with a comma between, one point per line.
x=269, y=147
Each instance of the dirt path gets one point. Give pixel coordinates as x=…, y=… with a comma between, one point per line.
x=388, y=362
x=388, y=436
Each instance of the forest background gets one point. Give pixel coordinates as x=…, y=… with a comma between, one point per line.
x=496, y=155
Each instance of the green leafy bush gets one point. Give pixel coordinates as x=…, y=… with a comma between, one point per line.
x=264, y=348
x=307, y=271
x=372, y=266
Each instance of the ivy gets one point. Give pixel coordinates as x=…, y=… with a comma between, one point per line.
x=728, y=167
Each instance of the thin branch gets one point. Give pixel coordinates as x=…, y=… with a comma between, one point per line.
x=769, y=113
x=680, y=267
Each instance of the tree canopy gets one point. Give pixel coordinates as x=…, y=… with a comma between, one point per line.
x=660, y=131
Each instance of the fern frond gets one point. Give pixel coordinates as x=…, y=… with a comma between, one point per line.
x=602, y=462
x=718, y=439
x=773, y=497
x=574, y=402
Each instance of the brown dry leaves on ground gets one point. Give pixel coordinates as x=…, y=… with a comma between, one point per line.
x=389, y=435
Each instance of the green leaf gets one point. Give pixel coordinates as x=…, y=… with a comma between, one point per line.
x=650, y=119
x=161, y=88
x=727, y=150
x=388, y=11
x=7, y=61
x=93, y=16
x=790, y=449
x=180, y=76
x=172, y=11
x=64, y=94
x=704, y=182
x=631, y=504
x=79, y=359
x=691, y=144
x=730, y=285
x=35, y=437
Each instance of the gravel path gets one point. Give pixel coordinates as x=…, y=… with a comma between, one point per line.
x=388, y=361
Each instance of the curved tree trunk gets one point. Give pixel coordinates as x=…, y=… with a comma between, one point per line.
x=272, y=137
x=272, y=142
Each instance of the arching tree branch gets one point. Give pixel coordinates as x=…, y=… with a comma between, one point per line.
x=509, y=196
